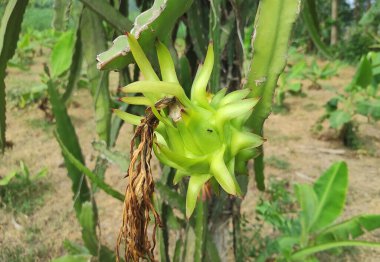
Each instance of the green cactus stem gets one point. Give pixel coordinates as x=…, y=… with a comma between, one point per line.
x=154, y=23
x=9, y=34
x=270, y=40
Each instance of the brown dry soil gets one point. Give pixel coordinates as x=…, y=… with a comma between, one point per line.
x=39, y=236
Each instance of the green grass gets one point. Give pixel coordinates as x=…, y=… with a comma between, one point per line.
x=23, y=254
x=13, y=254
x=272, y=211
x=31, y=251
x=22, y=197
x=310, y=107
x=278, y=163
x=280, y=109
x=42, y=124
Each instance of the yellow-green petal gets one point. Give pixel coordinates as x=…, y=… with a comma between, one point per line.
x=195, y=185
x=141, y=59
x=165, y=60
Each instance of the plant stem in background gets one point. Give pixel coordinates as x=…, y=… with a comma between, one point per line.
x=9, y=34
x=59, y=15
x=68, y=136
x=94, y=40
x=334, y=18
x=215, y=31
x=109, y=14
x=310, y=19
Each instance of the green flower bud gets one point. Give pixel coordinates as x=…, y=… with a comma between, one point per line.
x=202, y=137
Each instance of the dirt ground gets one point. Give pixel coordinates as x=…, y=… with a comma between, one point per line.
x=40, y=236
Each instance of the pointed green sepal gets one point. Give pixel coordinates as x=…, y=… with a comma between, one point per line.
x=178, y=176
x=243, y=157
x=236, y=109
x=165, y=60
x=160, y=139
x=127, y=117
x=242, y=140
x=164, y=159
x=218, y=97
x=234, y=96
x=195, y=185
x=157, y=88
x=196, y=165
x=136, y=100
x=141, y=59
x=175, y=140
x=220, y=171
x=198, y=89
x=239, y=121
x=247, y=154
x=188, y=139
x=241, y=167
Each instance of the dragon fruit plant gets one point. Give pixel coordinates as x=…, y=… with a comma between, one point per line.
x=206, y=137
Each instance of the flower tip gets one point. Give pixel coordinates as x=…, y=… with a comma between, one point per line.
x=120, y=99
x=127, y=33
x=211, y=42
x=113, y=110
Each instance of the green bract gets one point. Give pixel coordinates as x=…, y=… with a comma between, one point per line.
x=203, y=137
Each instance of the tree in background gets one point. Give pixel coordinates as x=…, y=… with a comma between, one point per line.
x=334, y=18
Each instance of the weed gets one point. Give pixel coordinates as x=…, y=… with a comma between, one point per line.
x=316, y=73
x=32, y=233
x=302, y=236
x=23, y=97
x=310, y=107
x=19, y=253
x=22, y=192
x=289, y=83
x=277, y=163
x=42, y=124
x=360, y=97
x=274, y=208
x=14, y=254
